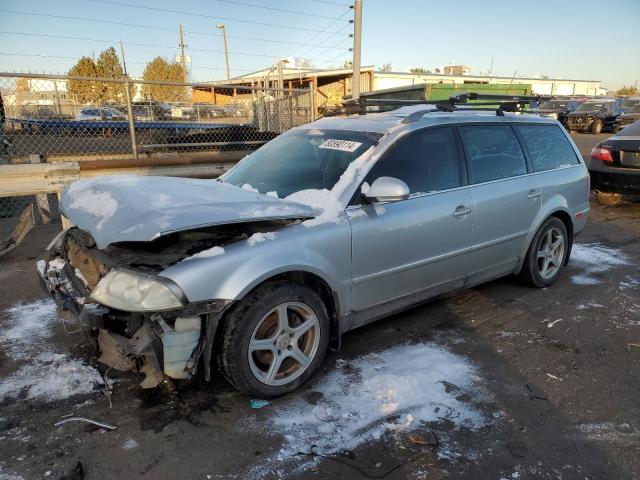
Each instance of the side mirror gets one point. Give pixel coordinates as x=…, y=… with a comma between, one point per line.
x=386, y=189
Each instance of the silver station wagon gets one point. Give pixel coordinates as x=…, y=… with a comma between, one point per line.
x=326, y=228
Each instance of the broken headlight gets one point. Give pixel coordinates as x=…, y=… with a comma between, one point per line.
x=134, y=292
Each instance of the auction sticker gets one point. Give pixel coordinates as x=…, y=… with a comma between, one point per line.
x=342, y=145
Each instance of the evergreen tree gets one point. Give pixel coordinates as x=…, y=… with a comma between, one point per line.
x=108, y=66
x=84, y=91
x=159, y=69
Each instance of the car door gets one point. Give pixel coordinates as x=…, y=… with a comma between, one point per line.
x=506, y=199
x=411, y=249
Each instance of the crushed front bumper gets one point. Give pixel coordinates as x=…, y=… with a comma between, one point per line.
x=160, y=345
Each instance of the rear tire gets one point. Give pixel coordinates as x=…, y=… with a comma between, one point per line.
x=596, y=127
x=547, y=254
x=274, y=339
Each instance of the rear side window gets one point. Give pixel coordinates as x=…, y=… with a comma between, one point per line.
x=427, y=161
x=548, y=147
x=494, y=152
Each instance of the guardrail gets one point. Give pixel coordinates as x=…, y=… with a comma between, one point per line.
x=43, y=178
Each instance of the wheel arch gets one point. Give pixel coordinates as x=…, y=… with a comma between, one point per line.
x=563, y=215
x=314, y=281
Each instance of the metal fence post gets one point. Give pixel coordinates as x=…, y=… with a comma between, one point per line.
x=312, y=102
x=132, y=126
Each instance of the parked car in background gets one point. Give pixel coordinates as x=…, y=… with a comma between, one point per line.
x=627, y=117
x=593, y=116
x=183, y=111
x=151, y=110
x=38, y=111
x=208, y=110
x=628, y=103
x=614, y=166
x=100, y=113
x=558, y=109
x=328, y=227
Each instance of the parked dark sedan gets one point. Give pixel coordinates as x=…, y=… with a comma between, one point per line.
x=628, y=103
x=615, y=165
x=558, y=109
x=629, y=116
x=593, y=116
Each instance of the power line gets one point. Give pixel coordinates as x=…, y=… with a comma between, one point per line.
x=150, y=27
x=86, y=39
x=274, y=9
x=128, y=61
x=327, y=2
x=325, y=30
x=207, y=50
x=202, y=15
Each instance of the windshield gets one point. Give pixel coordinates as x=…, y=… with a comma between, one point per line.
x=589, y=107
x=301, y=160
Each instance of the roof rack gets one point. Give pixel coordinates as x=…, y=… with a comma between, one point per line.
x=492, y=102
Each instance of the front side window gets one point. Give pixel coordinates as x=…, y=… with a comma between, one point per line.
x=494, y=152
x=426, y=161
x=301, y=160
x=548, y=147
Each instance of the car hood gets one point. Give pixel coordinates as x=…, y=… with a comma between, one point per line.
x=127, y=208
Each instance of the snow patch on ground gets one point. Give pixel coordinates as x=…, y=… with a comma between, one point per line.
x=43, y=373
x=589, y=305
x=130, y=444
x=26, y=326
x=8, y=476
x=260, y=237
x=84, y=197
x=594, y=258
x=399, y=389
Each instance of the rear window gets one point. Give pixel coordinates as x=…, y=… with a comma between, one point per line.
x=548, y=147
x=494, y=152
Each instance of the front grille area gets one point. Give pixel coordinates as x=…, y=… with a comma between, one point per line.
x=91, y=269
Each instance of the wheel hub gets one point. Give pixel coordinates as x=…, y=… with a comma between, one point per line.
x=283, y=341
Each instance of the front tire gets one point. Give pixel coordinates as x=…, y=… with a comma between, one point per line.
x=596, y=127
x=274, y=339
x=547, y=254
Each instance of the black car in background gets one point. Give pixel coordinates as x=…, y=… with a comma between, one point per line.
x=557, y=109
x=593, y=116
x=628, y=103
x=628, y=116
x=614, y=166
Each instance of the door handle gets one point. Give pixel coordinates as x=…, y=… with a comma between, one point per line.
x=534, y=194
x=461, y=211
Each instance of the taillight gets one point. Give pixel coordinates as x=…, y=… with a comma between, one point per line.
x=602, y=153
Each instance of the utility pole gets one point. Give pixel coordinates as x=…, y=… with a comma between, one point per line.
x=183, y=60
x=357, y=40
x=127, y=95
x=222, y=27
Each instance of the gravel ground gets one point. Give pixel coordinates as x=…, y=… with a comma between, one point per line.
x=497, y=382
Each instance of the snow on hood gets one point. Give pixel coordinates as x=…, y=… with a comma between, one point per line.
x=130, y=208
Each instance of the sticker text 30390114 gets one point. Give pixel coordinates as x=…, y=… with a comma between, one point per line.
x=342, y=145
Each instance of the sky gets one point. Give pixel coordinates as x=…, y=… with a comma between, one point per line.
x=588, y=40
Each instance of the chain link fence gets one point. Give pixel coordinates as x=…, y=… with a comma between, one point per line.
x=51, y=118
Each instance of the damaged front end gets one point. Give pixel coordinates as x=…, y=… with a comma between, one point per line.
x=580, y=123
x=140, y=320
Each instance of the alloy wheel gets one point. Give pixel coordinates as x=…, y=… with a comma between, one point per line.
x=551, y=253
x=284, y=343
